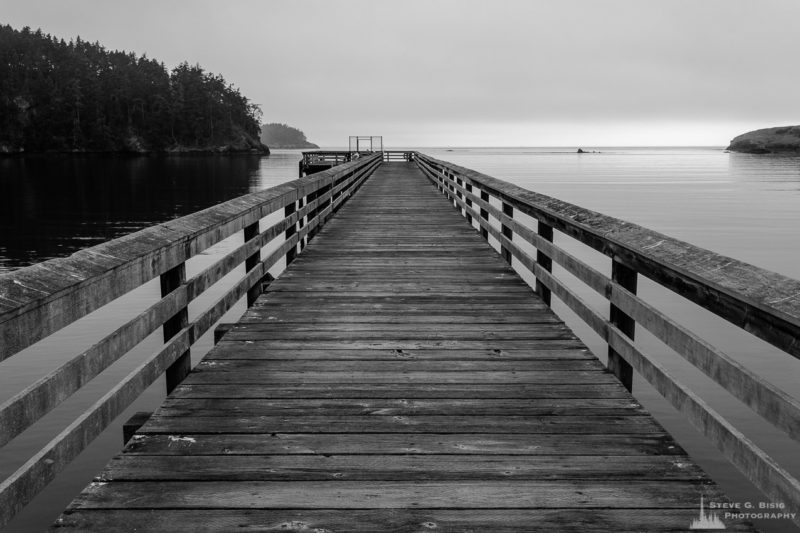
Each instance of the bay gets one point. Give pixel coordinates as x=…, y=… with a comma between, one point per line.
x=740, y=205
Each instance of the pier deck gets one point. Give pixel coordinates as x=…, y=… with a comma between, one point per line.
x=398, y=376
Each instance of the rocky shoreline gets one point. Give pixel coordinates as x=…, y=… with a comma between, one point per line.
x=780, y=140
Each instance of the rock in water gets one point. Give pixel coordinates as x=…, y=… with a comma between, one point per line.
x=782, y=140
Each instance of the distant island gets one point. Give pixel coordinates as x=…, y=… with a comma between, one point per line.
x=78, y=97
x=283, y=136
x=781, y=140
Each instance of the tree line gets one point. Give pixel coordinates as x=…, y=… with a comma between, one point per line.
x=78, y=96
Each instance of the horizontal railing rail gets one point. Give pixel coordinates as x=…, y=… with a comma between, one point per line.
x=763, y=303
x=398, y=155
x=39, y=300
x=328, y=156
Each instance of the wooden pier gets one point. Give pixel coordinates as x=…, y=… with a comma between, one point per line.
x=400, y=376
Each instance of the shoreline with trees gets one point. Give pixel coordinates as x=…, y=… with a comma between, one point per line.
x=77, y=97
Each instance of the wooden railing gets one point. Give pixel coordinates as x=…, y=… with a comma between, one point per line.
x=334, y=157
x=37, y=301
x=760, y=302
x=398, y=155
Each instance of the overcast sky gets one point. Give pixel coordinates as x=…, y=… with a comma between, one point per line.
x=473, y=73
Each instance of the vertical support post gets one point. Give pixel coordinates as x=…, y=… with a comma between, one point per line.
x=459, y=195
x=485, y=215
x=469, y=204
x=171, y=280
x=250, y=263
x=312, y=213
x=627, y=278
x=290, y=231
x=301, y=223
x=545, y=232
x=133, y=424
x=508, y=211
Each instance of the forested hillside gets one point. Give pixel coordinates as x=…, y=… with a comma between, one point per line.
x=78, y=96
x=283, y=136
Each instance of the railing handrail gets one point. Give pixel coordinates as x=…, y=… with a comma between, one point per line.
x=28, y=295
x=760, y=294
x=633, y=250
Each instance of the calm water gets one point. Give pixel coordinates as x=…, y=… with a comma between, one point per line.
x=739, y=205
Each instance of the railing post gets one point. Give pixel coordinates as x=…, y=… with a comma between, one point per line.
x=469, y=204
x=133, y=424
x=459, y=195
x=171, y=280
x=290, y=231
x=313, y=212
x=508, y=211
x=452, y=189
x=250, y=263
x=301, y=223
x=545, y=231
x=627, y=278
x=485, y=215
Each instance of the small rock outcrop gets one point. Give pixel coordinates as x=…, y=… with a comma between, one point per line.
x=781, y=140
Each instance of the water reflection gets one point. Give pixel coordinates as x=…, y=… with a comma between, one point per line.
x=776, y=172
x=54, y=206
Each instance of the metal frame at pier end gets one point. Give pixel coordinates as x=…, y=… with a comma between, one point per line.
x=366, y=143
x=758, y=301
x=318, y=160
x=40, y=300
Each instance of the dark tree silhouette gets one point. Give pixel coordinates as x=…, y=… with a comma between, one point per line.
x=78, y=96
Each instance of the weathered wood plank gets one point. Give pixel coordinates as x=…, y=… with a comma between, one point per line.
x=397, y=468
x=304, y=315
x=403, y=444
x=595, y=493
x=398, y=355
x=568, y=520
x=576, y=424
x=392, y=329
x=537, y=377
x=355, y=406
x=395, y=366
x=402, y=344
x=611, y=389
